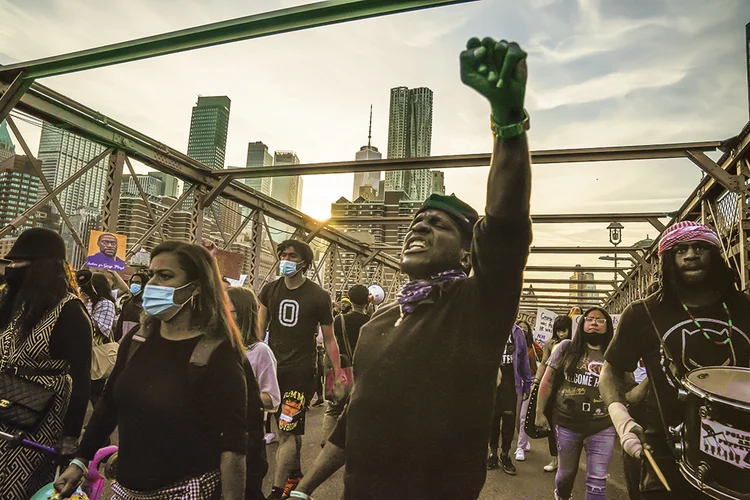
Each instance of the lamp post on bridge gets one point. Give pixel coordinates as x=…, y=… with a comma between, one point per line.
x=615, y=238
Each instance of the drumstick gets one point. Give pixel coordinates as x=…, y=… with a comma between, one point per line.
x=656, y=469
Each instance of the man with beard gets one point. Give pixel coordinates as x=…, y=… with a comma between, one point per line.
x=425, y=368
x=702, y=321
x=106, y=257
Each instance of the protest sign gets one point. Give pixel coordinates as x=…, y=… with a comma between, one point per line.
x=106, y=251
x=543, y=326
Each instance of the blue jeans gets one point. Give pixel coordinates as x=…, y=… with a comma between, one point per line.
x=599, y=448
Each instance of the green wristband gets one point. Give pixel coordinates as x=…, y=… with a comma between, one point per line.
x=512, y=130
x=299, y=494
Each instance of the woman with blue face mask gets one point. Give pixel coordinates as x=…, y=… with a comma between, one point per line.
x=132, y=306
x=183, y=428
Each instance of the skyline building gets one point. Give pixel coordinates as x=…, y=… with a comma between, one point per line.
x=410, y=136
x=366, y=184
x=258, y=156
x=438, y=182
x=62, y=154
x=84, y=220
x=582, y=291
x=152, y=185
x=7, y=148
x=287, y=189
x=207, y=143
x=209, y=126
x=19, y=190
x=169, y=183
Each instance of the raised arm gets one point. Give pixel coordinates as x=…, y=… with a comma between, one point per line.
x=119, y=282
x=497, y=70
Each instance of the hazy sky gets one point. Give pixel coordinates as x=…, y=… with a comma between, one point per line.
x=601, y=73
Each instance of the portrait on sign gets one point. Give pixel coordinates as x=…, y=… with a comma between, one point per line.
x=106, y=251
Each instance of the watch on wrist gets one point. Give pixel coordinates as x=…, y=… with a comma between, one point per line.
x=512, y=130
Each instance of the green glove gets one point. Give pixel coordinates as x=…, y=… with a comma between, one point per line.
x=497, y=70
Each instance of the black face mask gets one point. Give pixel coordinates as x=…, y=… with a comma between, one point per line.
x=595, y=339
x=15, y=277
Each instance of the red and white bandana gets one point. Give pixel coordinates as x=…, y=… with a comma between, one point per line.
x=687, y=231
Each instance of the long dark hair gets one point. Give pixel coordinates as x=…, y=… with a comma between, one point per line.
x=246, y=310
x=720, y=276
x=209, y=309
x=561, y=323
x=44, y=284
x=577, y=348
x=523, y=325
x=98, y=289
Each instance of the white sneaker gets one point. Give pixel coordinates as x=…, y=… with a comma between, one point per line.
x=270, y=438
x=520, y=455
x=528, y=446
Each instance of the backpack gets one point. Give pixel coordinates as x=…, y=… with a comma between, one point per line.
x=255, y=455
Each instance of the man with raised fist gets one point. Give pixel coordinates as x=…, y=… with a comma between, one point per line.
x=425, y=367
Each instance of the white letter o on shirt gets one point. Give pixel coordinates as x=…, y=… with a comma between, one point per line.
x=288, y=313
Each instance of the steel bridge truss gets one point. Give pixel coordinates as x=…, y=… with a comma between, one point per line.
x=721, y=199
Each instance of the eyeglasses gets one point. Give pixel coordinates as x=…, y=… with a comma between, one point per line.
x=598, y=321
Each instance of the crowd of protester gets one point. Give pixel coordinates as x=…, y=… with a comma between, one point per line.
x=203, y=371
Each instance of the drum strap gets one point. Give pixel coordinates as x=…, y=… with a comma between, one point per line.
x=673, y=369
x=673, y=373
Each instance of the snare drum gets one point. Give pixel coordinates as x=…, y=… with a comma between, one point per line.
x=716, y=433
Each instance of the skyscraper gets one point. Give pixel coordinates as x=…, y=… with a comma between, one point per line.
x=438, y=182
x=168, y=183
x=367, y=179
x=582, y=291
x=288, y=189
x=410, y=136
x=62, y=154
x=209, y=126
x=258, y=156
x=7, y=148
x=19, y=189
x=84, y=220
x=151, y=185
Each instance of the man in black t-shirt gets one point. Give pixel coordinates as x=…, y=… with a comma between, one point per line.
x=358, y=296
x=699, y=320
x=425, y=368
x=292, y=308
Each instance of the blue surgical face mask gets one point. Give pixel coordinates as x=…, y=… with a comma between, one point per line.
x=135, y=288
x=287, y=267
x=158, y=301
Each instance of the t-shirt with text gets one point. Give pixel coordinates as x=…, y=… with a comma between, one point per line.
x=635, y=338
x=506, y=365
x=294, y=318
x=578, y=403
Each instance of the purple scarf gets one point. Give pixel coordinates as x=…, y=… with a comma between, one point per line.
x=416, y=291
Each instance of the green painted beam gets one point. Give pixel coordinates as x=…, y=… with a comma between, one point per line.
x=234, y=30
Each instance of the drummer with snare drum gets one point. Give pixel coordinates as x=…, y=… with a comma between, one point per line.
x=697, y=319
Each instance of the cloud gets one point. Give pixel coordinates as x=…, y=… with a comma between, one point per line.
x=609, y=86
x=602, y=73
